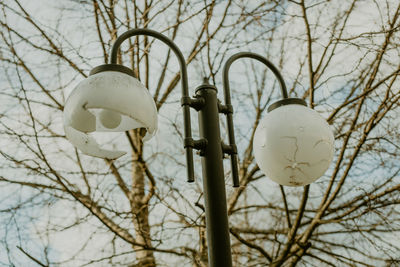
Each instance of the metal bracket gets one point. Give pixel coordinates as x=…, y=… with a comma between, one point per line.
x=232, y=151
x=197, y=103
x=195, y=144
x=229, y=149
x=225, y=109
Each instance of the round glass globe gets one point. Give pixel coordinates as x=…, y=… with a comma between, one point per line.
x=293, y=145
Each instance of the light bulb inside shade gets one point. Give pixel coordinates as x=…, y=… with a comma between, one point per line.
x=293, y=145
x=110, y=119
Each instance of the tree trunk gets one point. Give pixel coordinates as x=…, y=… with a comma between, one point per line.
x=140, y=209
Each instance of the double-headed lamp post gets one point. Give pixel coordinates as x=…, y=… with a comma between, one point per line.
x=293, y=144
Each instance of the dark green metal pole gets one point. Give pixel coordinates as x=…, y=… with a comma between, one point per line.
x=210, y=146
x=219, y=247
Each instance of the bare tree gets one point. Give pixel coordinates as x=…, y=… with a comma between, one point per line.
x=61, y=208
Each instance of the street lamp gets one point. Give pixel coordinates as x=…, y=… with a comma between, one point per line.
x=293, y=144
x=103, y=102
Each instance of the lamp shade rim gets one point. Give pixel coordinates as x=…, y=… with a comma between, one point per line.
x=112, y=67
x=287, y=101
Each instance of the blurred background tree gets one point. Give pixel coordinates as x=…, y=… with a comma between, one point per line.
x=61, y=208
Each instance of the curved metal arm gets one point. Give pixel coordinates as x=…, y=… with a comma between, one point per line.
x=259, y=58
x=227, y=94
x=185, y=87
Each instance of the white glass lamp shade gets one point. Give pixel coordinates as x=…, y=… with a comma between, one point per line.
x=107, y=101
x=293, y=145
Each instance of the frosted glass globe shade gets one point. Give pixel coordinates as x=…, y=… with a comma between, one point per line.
x=293, y=145
x=108, y=101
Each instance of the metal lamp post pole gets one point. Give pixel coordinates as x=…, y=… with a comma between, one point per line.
x=211, y=149
x=210, y=145
x=219, y=247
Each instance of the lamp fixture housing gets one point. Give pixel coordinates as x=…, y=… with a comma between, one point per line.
x=111, y=99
